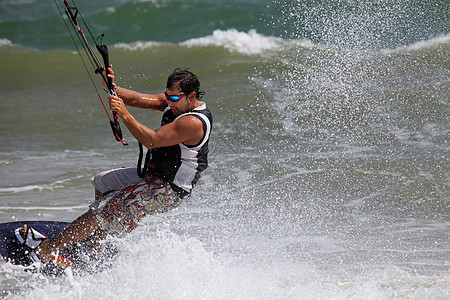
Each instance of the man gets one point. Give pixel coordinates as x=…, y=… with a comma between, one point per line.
x=178, y=151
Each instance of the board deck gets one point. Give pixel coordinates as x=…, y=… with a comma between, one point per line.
x=48, y=228
x=82, y=261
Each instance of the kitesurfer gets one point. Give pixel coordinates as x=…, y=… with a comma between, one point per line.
x=177, y=155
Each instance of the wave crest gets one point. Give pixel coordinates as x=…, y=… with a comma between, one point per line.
x=5, y=42
x=249, y=43
x=417, y=46
x=236, y=41
x=137, y=45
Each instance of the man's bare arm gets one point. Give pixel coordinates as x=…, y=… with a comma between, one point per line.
x=136, y=99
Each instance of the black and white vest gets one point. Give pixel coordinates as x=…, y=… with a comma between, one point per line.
x=181, y=165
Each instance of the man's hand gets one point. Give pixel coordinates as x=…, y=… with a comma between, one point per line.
x=110, y=75
x=116, y=104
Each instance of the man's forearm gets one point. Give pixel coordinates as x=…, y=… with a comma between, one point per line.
x=136, y=99
x=129, y=97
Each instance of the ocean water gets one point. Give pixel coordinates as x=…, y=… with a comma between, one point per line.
x=329, y=160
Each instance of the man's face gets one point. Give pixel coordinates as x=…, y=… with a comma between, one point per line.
x=180, y=106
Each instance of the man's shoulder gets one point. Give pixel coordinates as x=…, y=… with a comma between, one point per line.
x=203, y=109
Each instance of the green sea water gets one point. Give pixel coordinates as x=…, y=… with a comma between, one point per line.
x=329, y=156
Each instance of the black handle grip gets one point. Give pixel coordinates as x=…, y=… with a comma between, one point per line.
x=115, y=125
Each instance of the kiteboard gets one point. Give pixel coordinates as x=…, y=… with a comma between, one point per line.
x=19, y=239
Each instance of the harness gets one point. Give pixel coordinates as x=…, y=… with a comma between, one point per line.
x=142, y=171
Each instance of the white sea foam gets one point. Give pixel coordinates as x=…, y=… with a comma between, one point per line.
x=162, y=265
x=58, y=184
x=438, y=40
x=18, y=189
x=139, y=45
x=46, y=208
x=5, y=42
x=237, y=41
x=233, y=40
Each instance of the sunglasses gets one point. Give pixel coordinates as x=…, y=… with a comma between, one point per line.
x=174, y=98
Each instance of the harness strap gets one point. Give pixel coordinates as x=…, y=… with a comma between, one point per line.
x=142, y=171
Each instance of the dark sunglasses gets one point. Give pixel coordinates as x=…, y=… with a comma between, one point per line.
x=174, y=98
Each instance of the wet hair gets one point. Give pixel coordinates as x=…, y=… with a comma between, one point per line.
x=186, y=81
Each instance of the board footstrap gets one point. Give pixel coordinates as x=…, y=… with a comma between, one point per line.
x=29, y=238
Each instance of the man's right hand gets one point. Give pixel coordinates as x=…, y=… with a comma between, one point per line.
x=110, y=75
